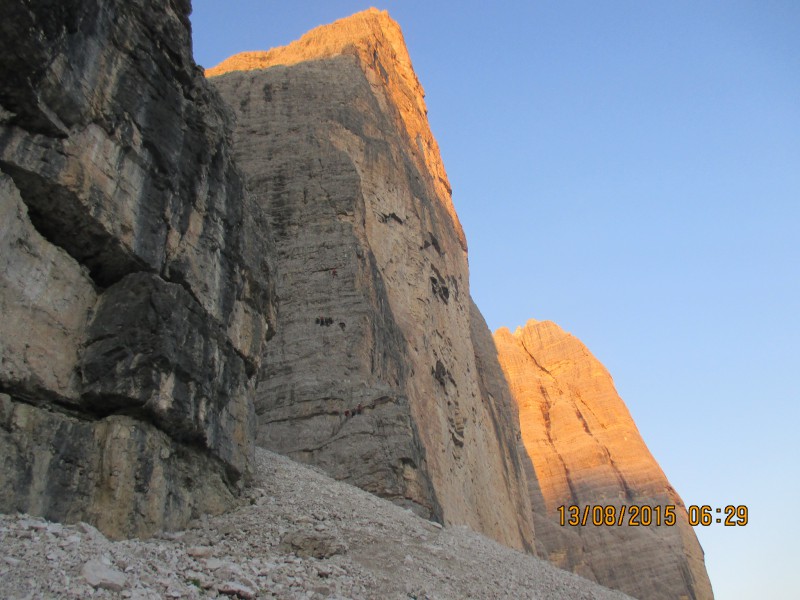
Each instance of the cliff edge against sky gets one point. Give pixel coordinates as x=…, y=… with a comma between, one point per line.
x=376, y=39
x=587, y=451
x=373, y=372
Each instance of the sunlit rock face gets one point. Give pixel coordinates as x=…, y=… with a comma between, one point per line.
x=373, y=373
x=377, y=42
x=587, y=451
x=135, y=287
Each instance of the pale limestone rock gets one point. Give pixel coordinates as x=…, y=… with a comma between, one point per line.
x=100, y=575
x=234, y=588
x=92, y=532
x=586, y=450
x=392, y=553
x=136, y=274
x=373, y=373
x=45, y=302
x=200, y=551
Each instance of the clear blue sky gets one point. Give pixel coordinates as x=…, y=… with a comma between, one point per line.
x=631, y=171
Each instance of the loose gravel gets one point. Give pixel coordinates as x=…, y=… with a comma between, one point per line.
x=297, y=535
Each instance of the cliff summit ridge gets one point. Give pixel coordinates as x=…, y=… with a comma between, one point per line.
x=377, y=42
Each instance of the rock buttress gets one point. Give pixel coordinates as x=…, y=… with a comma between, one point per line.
x=373, y=373
x=135, y=280
x=587, y=451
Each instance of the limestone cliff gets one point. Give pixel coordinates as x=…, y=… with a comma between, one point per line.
x=586, y=450
x=137, y=291
x=373, y=373
x=135, y=285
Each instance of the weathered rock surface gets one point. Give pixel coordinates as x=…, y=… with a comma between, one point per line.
x=373, y=373
x=371, y=550
x=376, y=40
x=100, y=575
x=135, y=282
x=587, y=451
x=46, y=295
x=120, y=473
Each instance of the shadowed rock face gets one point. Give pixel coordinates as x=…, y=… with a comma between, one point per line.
x=373, y=373
x=135, y=281
x=586, y=450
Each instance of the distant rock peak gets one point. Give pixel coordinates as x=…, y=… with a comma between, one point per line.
x=587, y=451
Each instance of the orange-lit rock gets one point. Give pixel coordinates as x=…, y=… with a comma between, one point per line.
x=586, y=450
x=376, y=39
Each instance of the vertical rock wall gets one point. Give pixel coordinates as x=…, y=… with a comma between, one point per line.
x=135, y=282
x=373, y=374
x=587, y=451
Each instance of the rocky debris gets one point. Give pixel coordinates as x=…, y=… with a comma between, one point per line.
x=390, y=553
x=135, y=279
x=136, y=287
x=587, y=451
x=99, y=575
x=316, y=543
x=392, y=400
x=234, y=588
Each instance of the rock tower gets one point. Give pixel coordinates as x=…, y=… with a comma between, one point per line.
x=373, y=373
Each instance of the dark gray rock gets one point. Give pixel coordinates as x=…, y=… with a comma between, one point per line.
x=136, y=272
x=123, y=153
x=121, y=473
x=311, y=543
x=152, y=351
